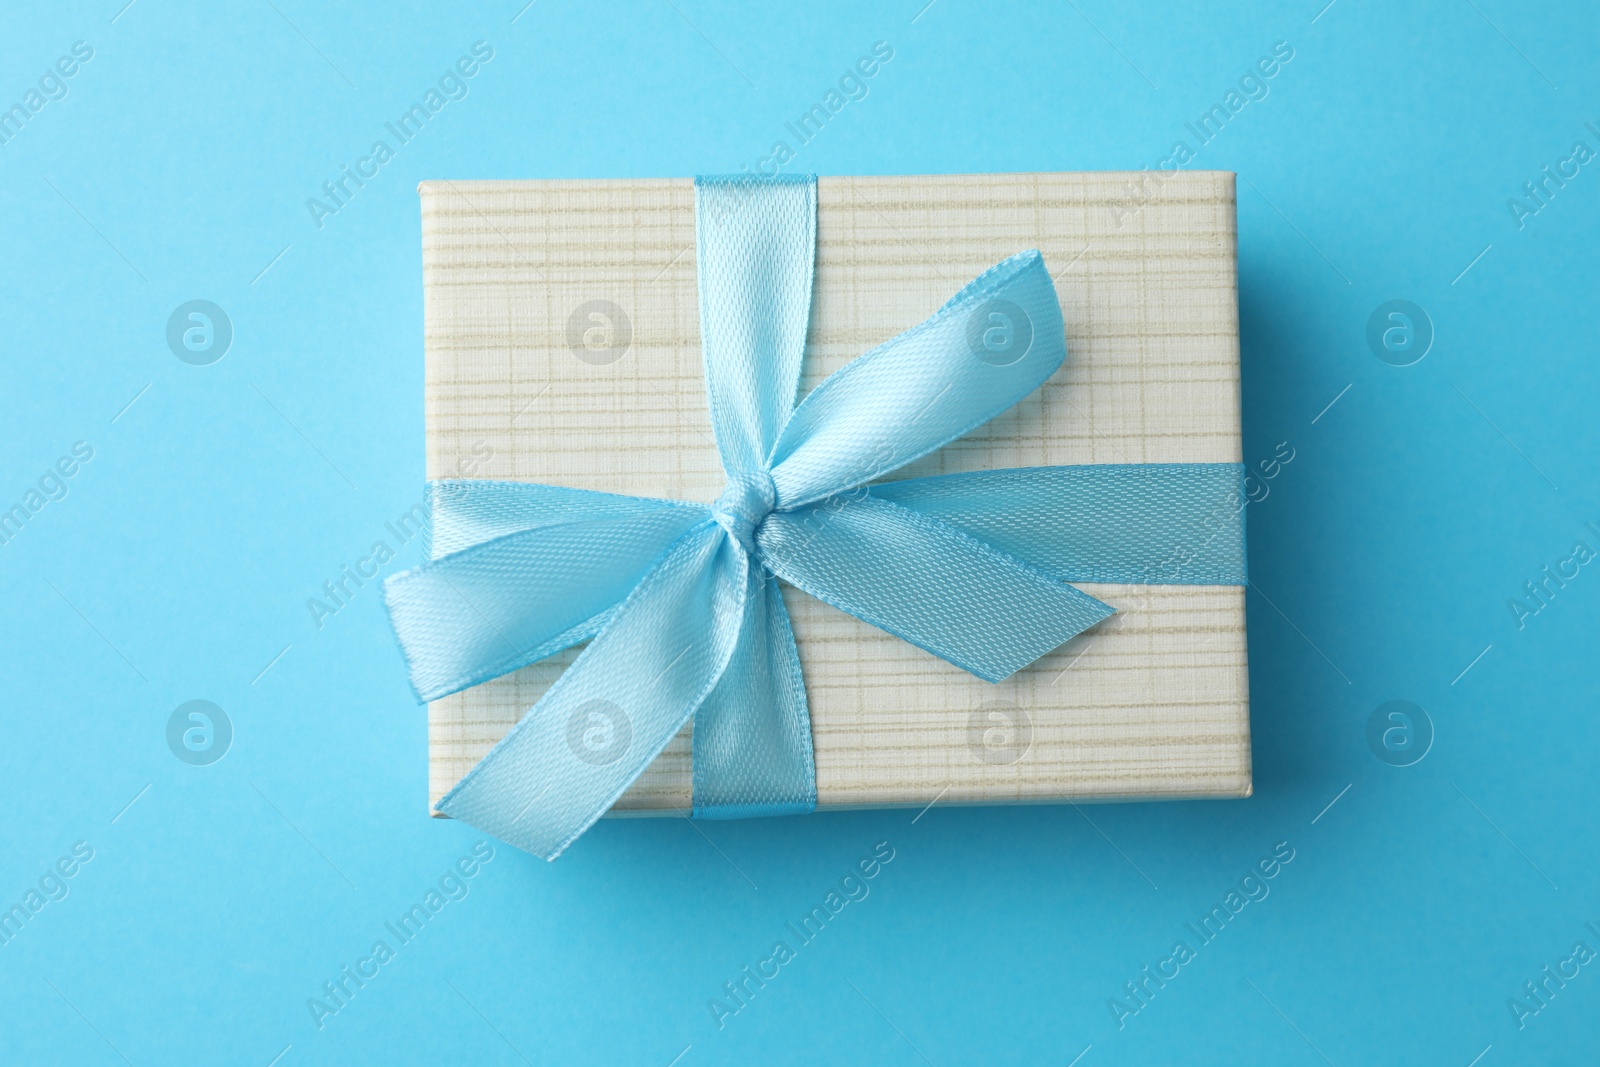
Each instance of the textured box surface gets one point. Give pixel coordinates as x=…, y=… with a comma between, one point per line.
x=530, y=379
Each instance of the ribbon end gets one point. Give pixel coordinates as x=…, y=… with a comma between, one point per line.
x=1086, y=613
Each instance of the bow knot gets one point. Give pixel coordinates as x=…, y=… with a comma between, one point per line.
x=744, y=505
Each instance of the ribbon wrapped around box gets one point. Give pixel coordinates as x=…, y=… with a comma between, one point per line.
x=920, y=581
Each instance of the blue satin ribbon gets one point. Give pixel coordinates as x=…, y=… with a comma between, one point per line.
x=680, y=602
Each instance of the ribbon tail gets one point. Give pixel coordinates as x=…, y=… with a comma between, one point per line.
x=486, y=610
x=463, y=512
x=752, y=736
x=613, y=711
x=1137, y=523
x=925, y=582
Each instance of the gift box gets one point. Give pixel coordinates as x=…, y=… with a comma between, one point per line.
x=563, y=347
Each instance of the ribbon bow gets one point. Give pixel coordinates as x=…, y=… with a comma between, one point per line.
x=682, y=600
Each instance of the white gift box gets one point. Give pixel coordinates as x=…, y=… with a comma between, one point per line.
x=563, y=347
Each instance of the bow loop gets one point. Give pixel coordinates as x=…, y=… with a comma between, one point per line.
x=991, y=345
x=517, y=598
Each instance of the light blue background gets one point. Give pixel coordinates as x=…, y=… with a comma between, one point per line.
x=179, y=565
